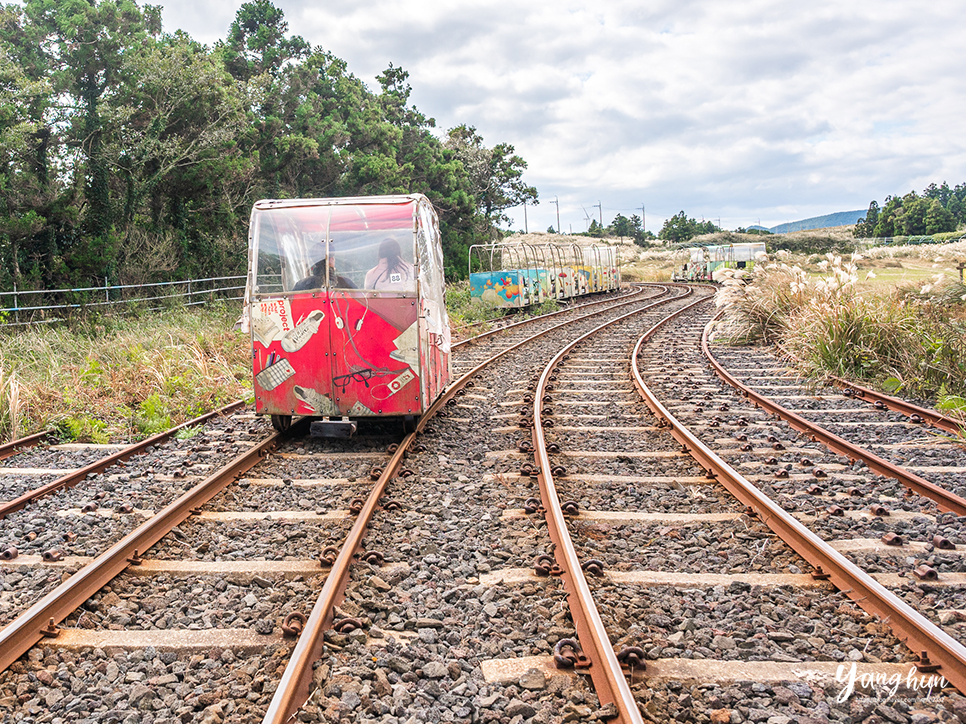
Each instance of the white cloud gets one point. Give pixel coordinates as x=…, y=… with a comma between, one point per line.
x=775, y=110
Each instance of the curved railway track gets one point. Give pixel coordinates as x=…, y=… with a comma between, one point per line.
x=441, y=576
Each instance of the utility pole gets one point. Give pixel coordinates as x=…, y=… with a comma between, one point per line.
x=557, y=204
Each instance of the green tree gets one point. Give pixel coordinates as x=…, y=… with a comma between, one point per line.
x=495, y=175
x=678, y=228
x=622, y=226
x=938, y=218
x=256, y=42
x=83, y=43
x=912, y=220
x=887, y=225
x=865, y=227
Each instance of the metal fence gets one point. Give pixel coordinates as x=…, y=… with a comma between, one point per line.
x=905, y=240
x=44, y=306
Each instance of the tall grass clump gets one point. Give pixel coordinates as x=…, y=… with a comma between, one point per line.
x=10, y=410
x=122, y=378
x=913, y=340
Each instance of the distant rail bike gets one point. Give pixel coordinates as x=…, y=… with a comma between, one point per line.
x=707, y=263
x=345, y=301
x=509, y=275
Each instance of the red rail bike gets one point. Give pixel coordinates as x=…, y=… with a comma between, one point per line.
x=345, y=303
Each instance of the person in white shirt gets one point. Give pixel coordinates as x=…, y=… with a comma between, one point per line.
x=392, y=272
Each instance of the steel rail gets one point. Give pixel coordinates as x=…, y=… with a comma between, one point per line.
x=294, y=688
x=920, y=634
x=15, y=446
x=629, y=291
x=620, y=301
x=946, y=500
x=605, y=670
x=295, y=685
x=929, y=417
x=40, y=620
x=11, y=506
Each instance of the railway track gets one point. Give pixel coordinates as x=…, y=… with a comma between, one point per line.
x=429, y=578
x=112, y=601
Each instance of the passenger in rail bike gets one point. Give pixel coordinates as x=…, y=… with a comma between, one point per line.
x=391, y=272
x=317, y=279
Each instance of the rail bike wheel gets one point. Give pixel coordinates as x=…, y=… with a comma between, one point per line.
x=281, y=422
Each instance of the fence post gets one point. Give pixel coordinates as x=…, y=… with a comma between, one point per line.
x=189, y=292
x=16, y=303
x=107, y=292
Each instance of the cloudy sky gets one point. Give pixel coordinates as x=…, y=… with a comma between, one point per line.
x=740, y=111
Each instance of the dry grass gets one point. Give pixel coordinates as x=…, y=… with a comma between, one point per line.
x=122, y=378
x=911, y=338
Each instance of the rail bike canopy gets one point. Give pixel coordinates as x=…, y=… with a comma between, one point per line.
x=702, y=262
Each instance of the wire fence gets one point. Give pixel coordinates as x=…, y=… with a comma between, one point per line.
x=45, y=306
x=906, y=240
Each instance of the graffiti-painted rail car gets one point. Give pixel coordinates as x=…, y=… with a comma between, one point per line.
x=346, y=308
x=514, y=275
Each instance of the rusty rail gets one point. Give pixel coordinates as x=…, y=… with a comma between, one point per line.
x=15, y=446
x=605, y=669
x=40, y=620
x=295, y=686
x=945, y=499
x=916, y=413
x=620, y=301
x=11, y=506
x=920, y=634
x=924, y=414
x=296, y=683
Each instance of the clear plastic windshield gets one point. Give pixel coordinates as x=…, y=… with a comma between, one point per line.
x=305, y=248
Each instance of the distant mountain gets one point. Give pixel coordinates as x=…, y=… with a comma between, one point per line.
x=840, y=218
